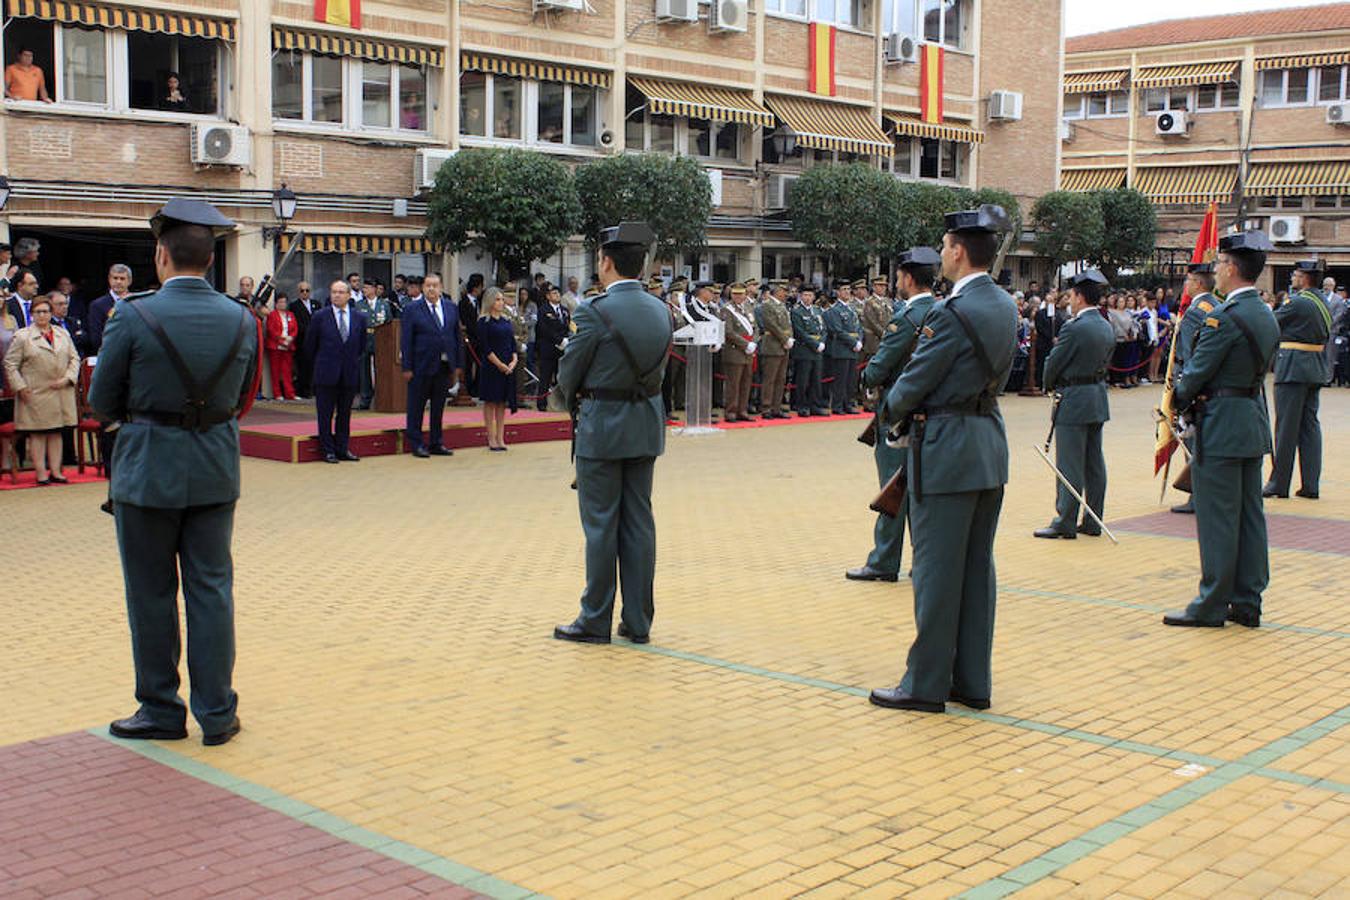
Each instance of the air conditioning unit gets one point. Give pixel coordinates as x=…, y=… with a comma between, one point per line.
x=901, y=48
x=729, y=15
x=777, y=191
x=677, y=10
x=715, y=179
x=1066, y=131
x=1338, y=114
x=1176, y=122
x=574, y=5
x=1285, y=229
x=220, y=145
x=1005, y=106
x=425, y=165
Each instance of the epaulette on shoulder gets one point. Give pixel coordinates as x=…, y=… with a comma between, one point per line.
x=1212, y=322
x=139, y=295
x=1205, y=305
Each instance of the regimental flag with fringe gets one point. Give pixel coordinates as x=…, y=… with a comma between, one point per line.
x=346, y=13
x=930, y=83
x=1206, y=248
x=820, y=57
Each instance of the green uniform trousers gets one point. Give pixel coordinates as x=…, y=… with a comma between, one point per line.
x=154, y=544
x=1078, y=454
x=1297, y=428
x=615, y=496
x=888, y=535
x=954, y=594
x=1231, y=524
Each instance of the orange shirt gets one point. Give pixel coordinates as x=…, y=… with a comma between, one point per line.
x=23, y=84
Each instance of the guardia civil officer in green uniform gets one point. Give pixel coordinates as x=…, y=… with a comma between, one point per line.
x=956, y=470
x=917, y=270
x=808, y=354
x=1221, y=393
x=612, y=367
x=378, y=312
x=1300, y=371
x=1075, y=373
x=843, y=343
x=176, y=368
x=1200, y=288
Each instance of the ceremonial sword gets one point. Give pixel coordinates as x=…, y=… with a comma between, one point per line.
x=1045, y=455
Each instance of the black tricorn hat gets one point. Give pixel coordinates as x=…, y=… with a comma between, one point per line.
x=1089, y=276
x=989, y=218
x=182, y=211
x=628, y=234
x=919, y=256
x=1245, y=242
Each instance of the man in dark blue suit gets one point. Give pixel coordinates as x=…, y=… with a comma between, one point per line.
x=119, y=285
x=335, y=339
x=431, y=355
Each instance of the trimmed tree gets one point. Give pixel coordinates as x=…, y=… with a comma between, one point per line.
x=848, y=213
x=972, y=199
x=518, y=205
x=919, y=213
x=1129, y=231
x=1068, y=226
x=672, y=194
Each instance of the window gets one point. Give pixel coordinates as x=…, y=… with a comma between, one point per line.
x=1073, y=106
x=376, y=105
x=193, y=63
x=900, y=16
x=584, y=103
x=847, y=13
x=1102, y=105
x=1325, y=201
x=902, y=163
x=1164, y=99
x=552, y=99
x=412, y=98
x=473, y=104
x=309, y=87
x=325, y=89
x=1216, y=96
x=84, y=65
x=700, y=137
x=1291, y=203
x=1285, y=87
x=786, y=7
x=661, y=134
x=929, y=159
x=504, y=108
x=1331, y=84
x=728, y=144
x=945, y=21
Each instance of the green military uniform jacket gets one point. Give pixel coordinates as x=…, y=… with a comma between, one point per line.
x=775, y=326
x=842, y=331
x=1234, y=427
x=1189, y=328
x=902, y=333
x=1304, y=319
x=1082, y=351
x=808, y=329
x=168, y=467
x=612, y=428
x=960, y=453
x=737, y=339
x=876, y=315
x=378, y=312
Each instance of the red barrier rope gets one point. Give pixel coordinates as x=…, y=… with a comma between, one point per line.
x=1141, y=365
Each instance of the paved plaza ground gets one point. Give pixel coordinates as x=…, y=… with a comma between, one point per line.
x=411, y=728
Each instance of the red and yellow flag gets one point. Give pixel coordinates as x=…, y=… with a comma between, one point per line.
x=1206, y=248
x=820, y=56
x=346, y=13
x=930, y=83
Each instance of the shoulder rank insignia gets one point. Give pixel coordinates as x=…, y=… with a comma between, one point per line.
x=1205, y=305
x=927, y=332
x=1211, y=322
x=892, y=328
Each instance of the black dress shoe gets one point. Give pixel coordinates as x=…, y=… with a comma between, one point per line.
x=1269, y=491
x=850, y=411
x=1186, y=509
x=635, y=638
x=1089, y=530
x=349, y=456
x=438, y=450
x=894, y=698
x=867, y=573
x=1306, y=495
x=1245, y=617
x=222, y=737
x=330, y=458
x=971, y=702
x=820, y=412
x=575, y=632
x=1052, y=533
x=421, y=453
x=107, y=506
x=140, y=727
x=1182, y=620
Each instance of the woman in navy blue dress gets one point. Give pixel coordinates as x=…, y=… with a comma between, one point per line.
x=497, y=379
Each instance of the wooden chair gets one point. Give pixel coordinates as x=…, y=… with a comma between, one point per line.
x=89, y=428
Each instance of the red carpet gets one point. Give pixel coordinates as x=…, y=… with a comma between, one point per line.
x=28, y=479
x=794, y=419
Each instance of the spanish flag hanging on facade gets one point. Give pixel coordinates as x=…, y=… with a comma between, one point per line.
x=346, y=13
x=930, y=83
x=820, y=54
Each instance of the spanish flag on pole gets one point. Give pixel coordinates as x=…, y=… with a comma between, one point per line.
x=346, y=13
x=930, y=83
x=820, y=56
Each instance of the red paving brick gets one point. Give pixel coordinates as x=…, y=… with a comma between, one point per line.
x=81, y=817
x=1285, y=532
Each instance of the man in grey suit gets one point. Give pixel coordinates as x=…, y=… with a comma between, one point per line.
x=612, y=370
x=1075, y=373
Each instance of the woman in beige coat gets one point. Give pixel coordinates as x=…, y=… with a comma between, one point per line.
x=41, y=367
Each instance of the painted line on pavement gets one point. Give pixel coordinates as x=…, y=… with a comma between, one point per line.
x=455, y=873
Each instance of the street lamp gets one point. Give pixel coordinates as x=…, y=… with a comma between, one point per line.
x=283, y=208
x=784, y=141
x=4, y=191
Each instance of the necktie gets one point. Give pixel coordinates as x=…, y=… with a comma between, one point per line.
x=342, y=324
x=436, y=308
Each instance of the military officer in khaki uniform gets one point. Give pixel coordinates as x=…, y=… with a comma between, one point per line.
x=876, y=315
x=776, y=342
x=738, y=353
x=520, y=329
x=1300, y=372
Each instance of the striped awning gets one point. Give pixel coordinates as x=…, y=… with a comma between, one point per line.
x=359, y=243
x=1094, y=82
x=1186, y=184
x=947, y=131
x=531, y=68
x=1304, y=61
x=1091, y=179
x=1191, y=73
x=702, y=101
x=364, y=48
x=1292, y=179
x=99, y=16
x=821, y=125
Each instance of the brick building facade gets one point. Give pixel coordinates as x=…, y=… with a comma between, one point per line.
x=1249, y=110
x=354, y=120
